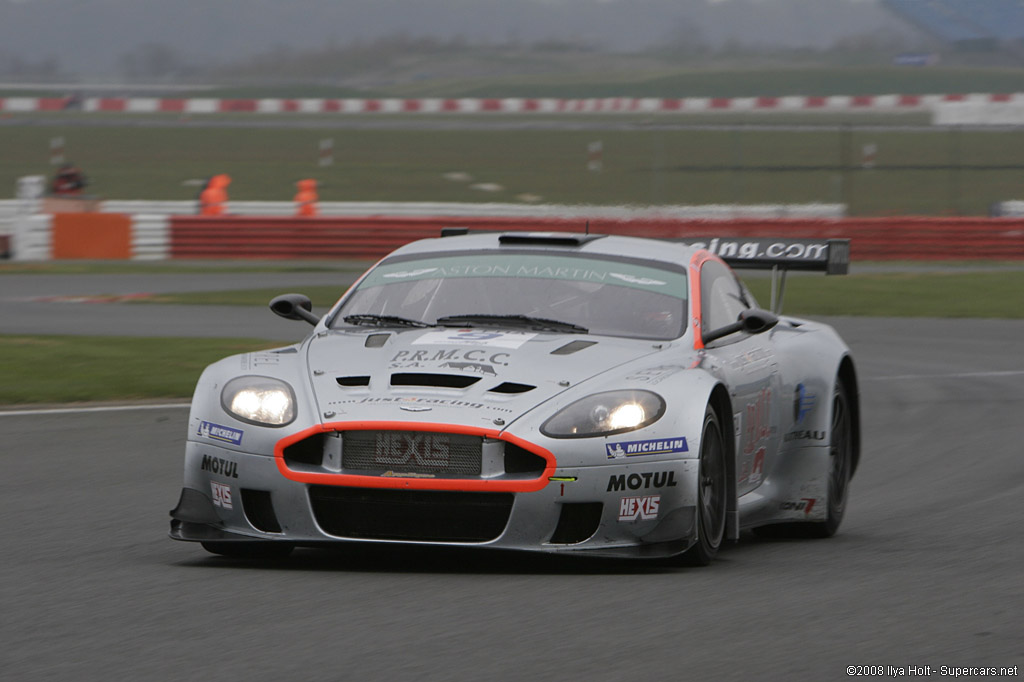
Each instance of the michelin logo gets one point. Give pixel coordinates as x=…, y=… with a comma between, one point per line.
x=646, y=447
x=224, y=434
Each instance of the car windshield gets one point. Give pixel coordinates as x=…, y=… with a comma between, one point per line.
x=603, y=295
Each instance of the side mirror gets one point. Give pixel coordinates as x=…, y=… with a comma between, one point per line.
x=756, y=321
x=294, y=307
x=753, y=321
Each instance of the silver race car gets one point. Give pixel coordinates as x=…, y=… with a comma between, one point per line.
x=553, y=392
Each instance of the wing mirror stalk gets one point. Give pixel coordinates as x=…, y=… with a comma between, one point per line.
x=751, y=321
x=294, y=307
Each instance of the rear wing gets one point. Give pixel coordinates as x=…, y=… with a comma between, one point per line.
x=780, y=255
x=831, y=256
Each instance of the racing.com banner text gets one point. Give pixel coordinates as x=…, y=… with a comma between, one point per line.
x=831, y=255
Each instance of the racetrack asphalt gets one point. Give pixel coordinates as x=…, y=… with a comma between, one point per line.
x=926, y=570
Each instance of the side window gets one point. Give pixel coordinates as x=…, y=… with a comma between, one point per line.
x=721, y=297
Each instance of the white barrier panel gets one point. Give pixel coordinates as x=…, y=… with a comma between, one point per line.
x=150, y=237
x=428, y=208
x=202, y=106
x=140, y=206
x=143, y=105
x=1009, y=209
x=973, y=112
x=10, y=208
x=32, y=238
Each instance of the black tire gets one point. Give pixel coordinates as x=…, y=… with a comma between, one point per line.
x=840, y=463
x=241, y=549
x=712, y=491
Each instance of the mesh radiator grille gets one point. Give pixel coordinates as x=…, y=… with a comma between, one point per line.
x=420, y=452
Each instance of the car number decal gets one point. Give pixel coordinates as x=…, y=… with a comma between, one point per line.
x=475, y=337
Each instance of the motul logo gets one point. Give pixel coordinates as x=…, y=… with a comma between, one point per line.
x=648, y=479
x=216, y=465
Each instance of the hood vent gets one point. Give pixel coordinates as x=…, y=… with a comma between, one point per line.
x=354, y=381
x=573, y=347
x=512, y=387
x=376, y=340
x=439, y=380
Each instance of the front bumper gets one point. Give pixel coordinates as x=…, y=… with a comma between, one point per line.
x=631, y=509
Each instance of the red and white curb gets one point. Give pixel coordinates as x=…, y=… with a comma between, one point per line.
x=609, y=105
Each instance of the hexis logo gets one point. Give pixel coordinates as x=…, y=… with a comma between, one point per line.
x=395, y=448
x=639, y=508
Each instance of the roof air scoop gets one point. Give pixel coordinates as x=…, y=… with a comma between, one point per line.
x=548, y=238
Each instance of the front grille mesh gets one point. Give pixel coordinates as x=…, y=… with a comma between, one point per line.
x=419, y=452
x=429, y=516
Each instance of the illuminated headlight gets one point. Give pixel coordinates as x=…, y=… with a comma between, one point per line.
x=604, y=414
x=259, y=400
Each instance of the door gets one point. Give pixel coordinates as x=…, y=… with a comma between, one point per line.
x=746, y=363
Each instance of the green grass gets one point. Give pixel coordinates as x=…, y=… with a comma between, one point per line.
x=643, y=166
x=906, y=294
x=65, y=369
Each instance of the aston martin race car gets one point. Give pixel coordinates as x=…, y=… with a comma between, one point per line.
x=553, y=392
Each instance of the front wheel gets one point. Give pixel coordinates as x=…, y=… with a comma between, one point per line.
x=711, y=494
x=840, y=470
x=840, y=463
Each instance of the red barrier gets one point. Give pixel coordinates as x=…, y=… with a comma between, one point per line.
x=91, y=236
x=914, y=238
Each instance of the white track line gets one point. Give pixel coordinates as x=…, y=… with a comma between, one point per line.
x=957, y=375
x=79, y=410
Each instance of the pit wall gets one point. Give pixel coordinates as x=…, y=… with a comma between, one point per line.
x=158, y=237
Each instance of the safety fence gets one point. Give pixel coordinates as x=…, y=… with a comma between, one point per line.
x=158, y=237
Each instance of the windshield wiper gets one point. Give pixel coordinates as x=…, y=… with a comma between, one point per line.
x=383, y=320
x=503, y=320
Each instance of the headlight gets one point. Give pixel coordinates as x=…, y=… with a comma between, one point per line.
x=605, y=414
x=259, y=400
